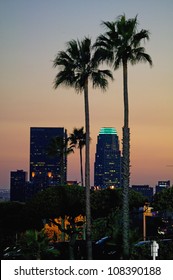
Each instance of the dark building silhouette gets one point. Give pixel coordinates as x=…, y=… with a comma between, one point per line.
x=18, y=181
x=162, y=185
x=145, y=190
x=107, y=166
x=46, y=170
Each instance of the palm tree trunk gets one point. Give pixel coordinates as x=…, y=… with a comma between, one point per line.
x=126, y=165
x=72, y=242
x=87, y=173
x=81, y=167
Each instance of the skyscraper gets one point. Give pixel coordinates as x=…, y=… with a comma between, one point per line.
x=107, y=166
x=46, y=170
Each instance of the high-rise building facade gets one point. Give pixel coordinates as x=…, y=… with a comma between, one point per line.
x=18, y=181
x=107, y=166
x=46, y=170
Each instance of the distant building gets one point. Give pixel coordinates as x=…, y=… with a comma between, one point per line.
x=18, y=181
x=145, y=190
x=107, y=166
x=46, y=170
x=4, y=194
x=162, y=185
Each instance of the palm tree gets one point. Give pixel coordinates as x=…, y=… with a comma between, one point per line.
x=32, y=245
x=78, y=138
x=79, y=65
x=120, y=45
x=60, y=147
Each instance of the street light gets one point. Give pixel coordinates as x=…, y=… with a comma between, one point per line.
x=146, y=213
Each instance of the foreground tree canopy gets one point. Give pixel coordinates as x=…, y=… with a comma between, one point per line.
x=60, y=201
x=163, y=200
x=64, y=201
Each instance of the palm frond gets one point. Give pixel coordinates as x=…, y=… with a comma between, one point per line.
x=65, y=77
x=144, y=57
x=62, y=59
x=138, y=37
x=99, y=78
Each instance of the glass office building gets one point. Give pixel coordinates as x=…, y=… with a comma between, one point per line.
x=107, y=166
x=46, y=170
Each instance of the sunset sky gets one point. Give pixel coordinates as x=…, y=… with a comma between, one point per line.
x=32, y=32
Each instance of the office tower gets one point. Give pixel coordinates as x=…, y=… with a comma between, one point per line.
x=162, y=185
x=107, y=166
x=17, y=185
x=47, y=170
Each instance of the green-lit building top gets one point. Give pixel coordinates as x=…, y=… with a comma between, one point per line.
x=107, y=130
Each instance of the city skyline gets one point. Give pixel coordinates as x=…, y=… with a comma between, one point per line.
x=102, y=131
x=32, y=34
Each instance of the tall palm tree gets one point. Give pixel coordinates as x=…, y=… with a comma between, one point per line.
x=78, y=65
x=78, y=138
x=120, y=45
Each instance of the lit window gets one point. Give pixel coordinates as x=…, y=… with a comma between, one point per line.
x=49, y=174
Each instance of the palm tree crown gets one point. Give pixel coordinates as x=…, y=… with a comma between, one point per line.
x=78, y=137
x=78, y=64
x=122, y=43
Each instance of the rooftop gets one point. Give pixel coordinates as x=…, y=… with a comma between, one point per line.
x=108, y=130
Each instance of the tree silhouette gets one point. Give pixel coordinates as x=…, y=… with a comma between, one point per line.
x=78, y=64
x=120, y=45
x=78, y=139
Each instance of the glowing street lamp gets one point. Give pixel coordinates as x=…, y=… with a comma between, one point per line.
x=146, y=213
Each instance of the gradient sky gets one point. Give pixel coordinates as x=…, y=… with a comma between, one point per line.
x=32, y=32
